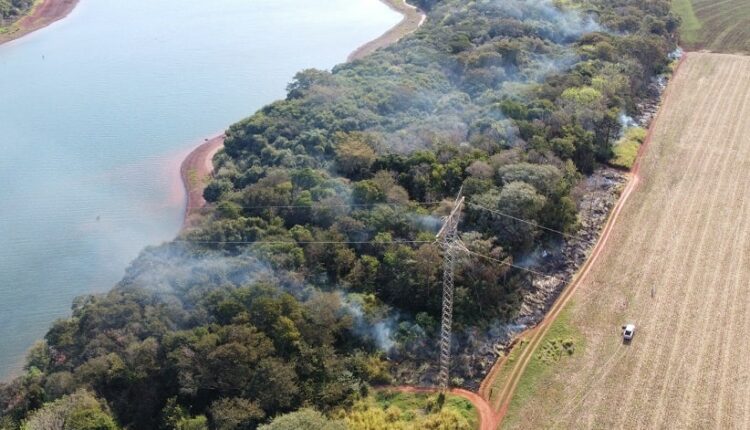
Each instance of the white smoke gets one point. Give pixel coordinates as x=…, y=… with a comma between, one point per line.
x=378, y=328
x=174, y=268
x=627, y=121
x=676, y=54
x=426, y=222
x=554, y=23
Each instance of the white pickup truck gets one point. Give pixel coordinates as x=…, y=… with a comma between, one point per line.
x=628, y=331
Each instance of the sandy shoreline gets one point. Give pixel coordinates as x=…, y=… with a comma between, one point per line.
x=195, y=170
x=42, y=14
x=413, y=19
x=197, y=166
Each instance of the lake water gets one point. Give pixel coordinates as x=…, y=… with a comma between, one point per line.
x=98, y=110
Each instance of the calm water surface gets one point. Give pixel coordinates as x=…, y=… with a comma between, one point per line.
x=97, y=111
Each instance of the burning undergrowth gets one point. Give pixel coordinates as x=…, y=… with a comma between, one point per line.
x=182, y=274
x=315, y=273
x=511, y=101
x=336, y=185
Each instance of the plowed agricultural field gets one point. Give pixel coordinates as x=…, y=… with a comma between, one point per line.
x=678, y=266
x=716, y=25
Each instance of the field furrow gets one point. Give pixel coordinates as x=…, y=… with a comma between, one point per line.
x=724, y=26
x=678, y=266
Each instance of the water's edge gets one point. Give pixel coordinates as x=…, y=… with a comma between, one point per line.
x=197, y=166
x=103, y=145
x=413, y=18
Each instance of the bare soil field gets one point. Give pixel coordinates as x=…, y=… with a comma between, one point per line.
x=715, y=25
x=677, y=264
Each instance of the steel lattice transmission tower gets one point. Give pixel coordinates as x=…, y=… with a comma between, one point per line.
x=451, y=244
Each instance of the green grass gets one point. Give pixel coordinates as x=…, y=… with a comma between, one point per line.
x=192, y=177
x=12, y=26
x=561, y=342
x=417, y=404
x=502, y=376
x=717, y=26
x=690, y=29
x=9, y=28
x=626, y=149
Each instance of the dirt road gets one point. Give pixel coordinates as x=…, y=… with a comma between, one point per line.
x=678, y=266
x=534, y=337
x=488, y=419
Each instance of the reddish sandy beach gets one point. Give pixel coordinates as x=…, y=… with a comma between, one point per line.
x=197, y=167
x=42, y=15
x=413, y=19
x=195, y=171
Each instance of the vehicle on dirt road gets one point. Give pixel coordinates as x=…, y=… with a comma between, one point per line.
x=628, y=331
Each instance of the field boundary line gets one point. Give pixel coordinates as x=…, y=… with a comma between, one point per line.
x=696, y=235
x=537, y=333
x=676, y=363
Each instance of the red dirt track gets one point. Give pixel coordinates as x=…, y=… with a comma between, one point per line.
x=488, y=420
x=677, y=265
x=197, y=167
x=536, y=334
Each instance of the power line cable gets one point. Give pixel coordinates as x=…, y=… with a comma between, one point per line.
x=303, y=242
x=511, y=265
x=371, y=242
x=494, y=211
x=315, y=206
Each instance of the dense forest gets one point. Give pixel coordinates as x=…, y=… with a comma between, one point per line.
x=314, y=270
x=10, y=10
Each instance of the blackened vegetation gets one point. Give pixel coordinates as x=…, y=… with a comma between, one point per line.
x=343, y=183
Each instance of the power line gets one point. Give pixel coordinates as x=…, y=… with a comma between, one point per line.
x=302, y=242
x=261, y=242
x=523, y=220
x=332, y=242
x=429, y=203
x=316, y=206
x=354, y=242
x=365, y=205
x=356, y=205
x=511, y=265
x=450, y=242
